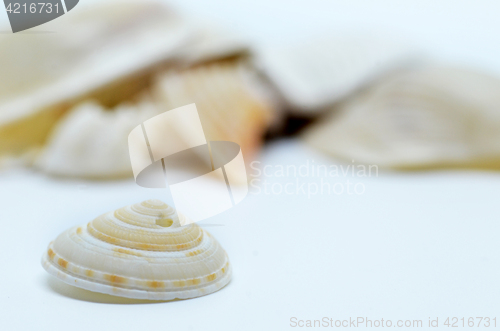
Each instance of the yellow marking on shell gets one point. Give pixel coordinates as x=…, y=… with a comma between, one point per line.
x=223, y=270
x=141, y=245
x=51, y=253
x=79, y=230
x=211, y=277
x=179, y=283
x=164, y=222
x=101, y=236
x=155, y=284
x=193, y=253
x=89, y=273
x=62, y=262
x=146, y=247
x=194, y=281
x=115, y=279
x=126, y=251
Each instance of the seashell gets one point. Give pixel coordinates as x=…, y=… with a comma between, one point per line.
x=232, y=101
x=141, y=251
x=91, y=141
x=86, y=59
x=316, y=73
x=432, y=117
x=108, y=54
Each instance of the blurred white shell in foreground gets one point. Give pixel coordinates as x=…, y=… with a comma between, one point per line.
x=427, y=118
x=140, y=251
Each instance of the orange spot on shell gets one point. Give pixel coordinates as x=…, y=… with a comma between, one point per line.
x=194, y=281
x=62, y=262
x=79, y=230
x=111, y=240
x=115, y=279
x=89, y=273
x=156, y=284
x=51, y=253
x=126, y=251
x=193, y=253
x=146, y=247
x=211, y=277
x=179, y=283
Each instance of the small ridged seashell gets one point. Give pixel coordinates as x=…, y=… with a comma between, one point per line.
x=141, y=252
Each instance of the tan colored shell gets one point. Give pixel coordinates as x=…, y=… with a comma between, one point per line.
x=142, y=252
x=231, y=101
x=425, y=118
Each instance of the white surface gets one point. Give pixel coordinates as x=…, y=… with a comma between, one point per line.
x=413, y=246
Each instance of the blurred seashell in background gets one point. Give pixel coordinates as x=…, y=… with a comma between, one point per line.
x=143, y=251
x=103, y=53
x=432, y=117
x=316, y=73
x=109, y=55
x=91, y=141
x=231, y=99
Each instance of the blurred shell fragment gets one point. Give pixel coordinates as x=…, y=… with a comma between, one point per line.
x=109, y=55
x=432, y=117
x=91, y=141
x=102, y=54
x=141, y=251
x=316, y=73
x=231, y=100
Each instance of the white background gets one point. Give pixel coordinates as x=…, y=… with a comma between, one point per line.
x=413, y=246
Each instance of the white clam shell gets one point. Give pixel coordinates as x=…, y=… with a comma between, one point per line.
x=132, y=252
